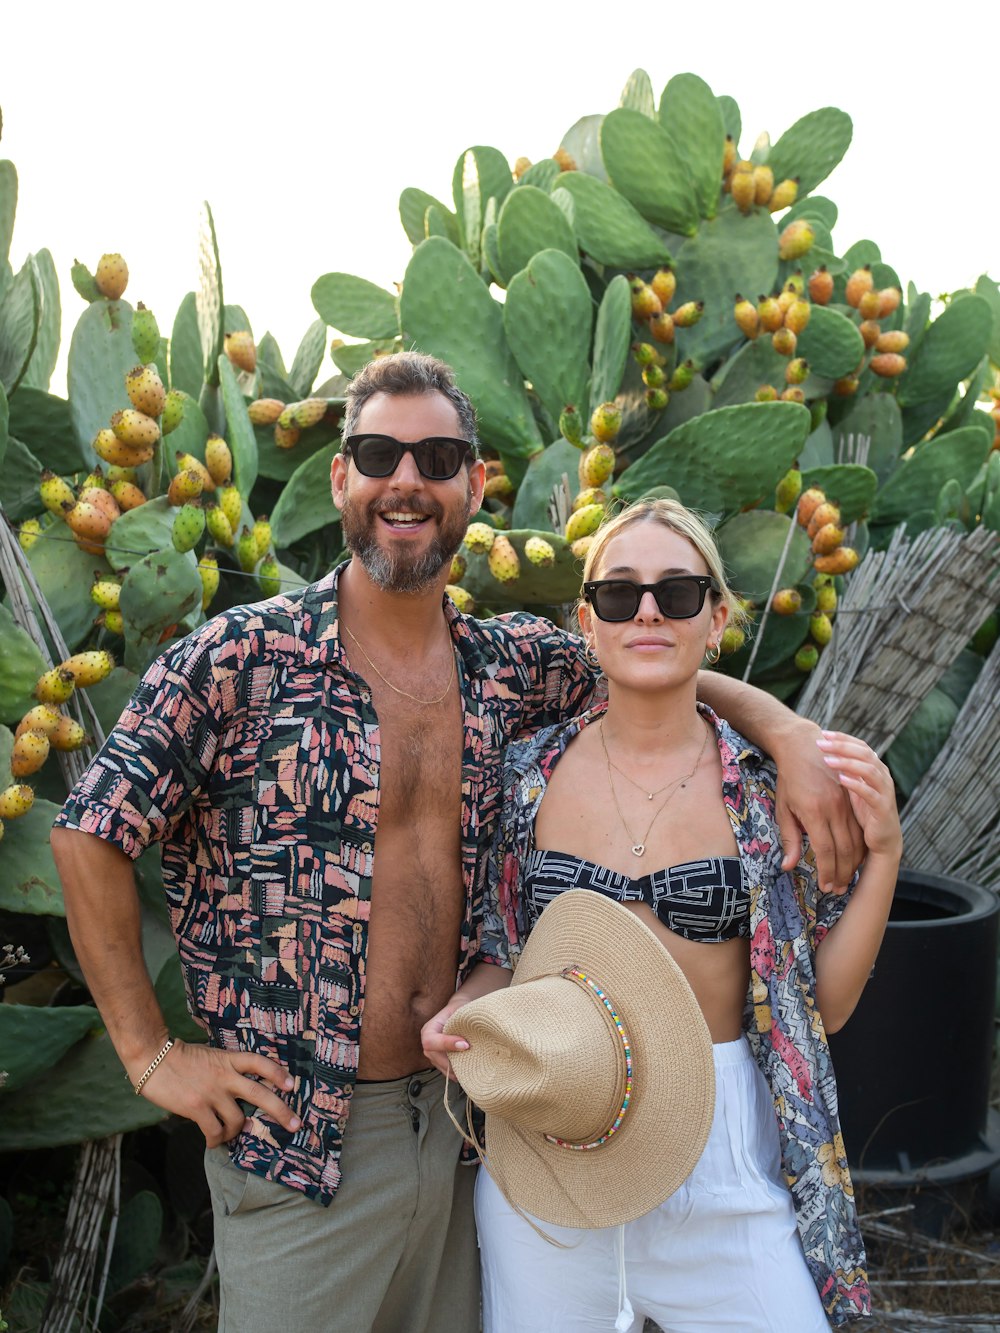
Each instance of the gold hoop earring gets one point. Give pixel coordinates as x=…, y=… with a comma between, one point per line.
x=591, y=656
x=714, y=649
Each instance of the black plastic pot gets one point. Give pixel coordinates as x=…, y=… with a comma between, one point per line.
x=913, y=1063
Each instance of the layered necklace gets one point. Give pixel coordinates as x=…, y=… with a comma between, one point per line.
x=426, y=703
x=638, y=846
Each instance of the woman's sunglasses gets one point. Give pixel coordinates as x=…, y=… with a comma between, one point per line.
x=679, y=597
x=438, y=458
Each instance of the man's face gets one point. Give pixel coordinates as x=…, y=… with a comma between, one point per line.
x=403, y=528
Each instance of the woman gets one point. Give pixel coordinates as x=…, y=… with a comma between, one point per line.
x=763, y=1235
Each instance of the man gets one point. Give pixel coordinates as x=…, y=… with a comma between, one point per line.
x=271, y=753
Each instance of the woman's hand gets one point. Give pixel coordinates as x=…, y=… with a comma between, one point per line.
x=437, y=1045
x=872, y=793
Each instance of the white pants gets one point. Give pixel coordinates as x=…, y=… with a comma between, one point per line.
x=723, y=1252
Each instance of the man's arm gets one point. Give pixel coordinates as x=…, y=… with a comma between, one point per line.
x=808, y=796
x=195, y=1081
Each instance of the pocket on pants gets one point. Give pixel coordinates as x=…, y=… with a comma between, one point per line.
x=237, y=1192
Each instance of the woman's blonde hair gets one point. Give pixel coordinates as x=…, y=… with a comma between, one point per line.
x=673, y=516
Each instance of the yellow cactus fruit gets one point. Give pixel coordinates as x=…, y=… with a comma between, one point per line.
x=868, y=306
x=208, y=572
x=240, y=349
x=770, y=314
x=767, y=393
x=462, y=598
x=596, y=465
x=31, y=749
x=539, y=552
x=232, y=505
x=28, y=533
x=728, y=155
x=824, y=513
x=128, y=495
x=69, y=734
x=520, y=167
x=309, y=412
x=218, y=460
x=265, y=411
x=808, y=501
x=606, y=422
x=41, y=718
x=479, y=538
x=858, y=283
x=566, y=160
x=584, y=521
x=219, y=527
x=89, y=667
x=459, y=565
x=888, y=301
x=787, y=491
x=888, y=364
x=793, y=394
x=733, y=639
x=591, y=495
x=763, y=184
x=870, y=332
x=664, y=284
x=55, y=686
x=784, y=194
x=112, y=621
x=581, y=546
x=742, y=188
x=688, y=314
x=108, y=446
x=784, y=342
x=500, y=487
x=827, y=539
x=786, y=602
x=746, y=316
x=661, y=327
x=893, y=340
x=797, y=315
x=797, y=371
x=796, y=240
x=186, y=486
x=55, y=493
x=106, y=594
x=188, y=462
x=505, y=566
x=840, y=561
x=111, y=276
x=826, y=595
x=820, y=628
x=15, y=801
x=145, y=390
x=134, y=428
x=286, y=437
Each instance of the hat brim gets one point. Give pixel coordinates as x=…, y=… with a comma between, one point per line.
x=666, y=1126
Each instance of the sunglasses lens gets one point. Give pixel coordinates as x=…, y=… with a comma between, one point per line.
x=376, y=455
x=438, y=459
x=616, y=601
x=679, y=598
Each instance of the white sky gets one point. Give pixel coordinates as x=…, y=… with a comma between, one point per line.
x=301, y=124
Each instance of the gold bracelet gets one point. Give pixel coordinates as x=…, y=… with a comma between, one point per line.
x=160, y=1055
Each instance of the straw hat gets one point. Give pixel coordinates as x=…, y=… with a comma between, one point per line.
x=594, y=1068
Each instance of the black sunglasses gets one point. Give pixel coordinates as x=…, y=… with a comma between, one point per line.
x=679, y=597
x=438, y=458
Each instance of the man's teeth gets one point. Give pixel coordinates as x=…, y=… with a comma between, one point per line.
x=404, y=518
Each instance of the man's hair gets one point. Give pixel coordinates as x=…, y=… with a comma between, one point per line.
x=408, y=373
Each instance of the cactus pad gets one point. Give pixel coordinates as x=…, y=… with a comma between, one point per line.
x=645, y=165
x=529, y=222
x=691, y=115
x=812, y=147
x=608, y=228
x=355, y=306
x=547, y=317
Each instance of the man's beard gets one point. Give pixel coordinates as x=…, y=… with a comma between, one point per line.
x=394, y=570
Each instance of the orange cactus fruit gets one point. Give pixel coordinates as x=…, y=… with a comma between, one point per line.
x=784, y=195
x=827, y=539
x=763, y=184
x=70, y=735
x=309, y=412
x=846, y=386
x=888, y=364
x=265, y=411
x=145, y=390
x=108, y=446
x=746, y=316
x=868, y=305
x=797, y=315
x=786, y=602
x=689, y=314
x=520, y=167
x=128, y=495
x=840, y=561
x=661, y=327
x=111, y=276
x=43, y=718
x=793, y=394
x=858, y=283
x=892, y=340
x=888, y=301
x=241, y=350
x=664, y=284
x=825, y=512
x=808, y=501
x=103, y=500
x=31, y=749
x=565, y=159
x=796, y=240
x=820, y=285
x=134, y=428
x=87, y=521
x=770, y=314
x=870, y=332
x=287, y=437
x=767, y=393
x=187, y=485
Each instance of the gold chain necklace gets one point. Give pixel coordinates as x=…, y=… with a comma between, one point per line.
x=427, y=703
x=638, y=848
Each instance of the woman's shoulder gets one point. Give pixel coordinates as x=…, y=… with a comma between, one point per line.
x=543, y=748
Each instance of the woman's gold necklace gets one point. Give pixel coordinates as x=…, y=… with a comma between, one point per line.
x=639, y=848
x=427, y=703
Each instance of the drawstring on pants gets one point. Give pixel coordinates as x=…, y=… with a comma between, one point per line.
x=625, y=1312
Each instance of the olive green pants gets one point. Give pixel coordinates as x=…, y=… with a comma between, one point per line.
x=395, y=1252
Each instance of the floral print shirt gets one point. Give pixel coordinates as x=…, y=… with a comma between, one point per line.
x=250, y=751
x=788, y=920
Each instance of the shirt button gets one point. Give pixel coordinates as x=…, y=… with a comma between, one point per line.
x=342, y=1123
x=358, y=927
x=366, y=697
x=366, y=846
x=354, y=1011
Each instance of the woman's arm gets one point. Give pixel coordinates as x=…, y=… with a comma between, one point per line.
x=846, y=954
x=808, y=795
x=482, y=980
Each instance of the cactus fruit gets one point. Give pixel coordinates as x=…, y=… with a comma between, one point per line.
x=111, y=276
x=770, y=314
x=88, y=523
x=570, y=426
x=868, y=305
x=15, y=801
x=29, y=533
x=522, y=165
x=31, y=749
x=581, y=546
x=503, y=560
x=786, y=602
x=565, y=159
x=820, y=628
x=287, y=437
x=870, y=332
x=218, y=460
x=479, y=538
x=606, y=422
x=824, y=513
x=827, y=539
x=888, y=364
x=208, y=572
x=539, y=552
x=688, y=314
x=645, y=302
x=269, y=577
x=463, y=600
x=88, y=668
x=654, y=376
x=108, y=446
x=797, y=370
x=767, y=393
x=83, y=282
x=787, y=491
x=246, y=550
x=784, y=194
x=742, y=188
x=840, y=561
x=858, y=283
x=846, y=386
x=656, y=399
x=808, y=502
x=661, y=327
x=888, y=300
x=826, y=594
x=583, y=522
x=185, y=486
x=591, y=495
x=733, y=639
x=682, y=377
x=892, y=340
x=145, y=336
x=135, y=429
x=597, y=465
x=459, y=565
x=807, y=657
x=55, y=686
x=500, y=487
x=112, y=621
x=239, y=347
x=309, y=412
x=173, y=411
x=821, y=285
x=797, y=315
x=664, y=284
x=265, y=411
x=218, y=524
x=128, y=495
x=69, y=735
x=792, y=394
x=188, y=527
x=763, y=185
x=43, y=718
x=232, y=505
x=746, y=316
x=106, y=594
x=262, y=536
x=55, y=493
x=784, y=341
x=796, y=240
x=145, y=390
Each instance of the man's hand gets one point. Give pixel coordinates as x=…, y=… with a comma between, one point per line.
x=206, y=1085
x=810, y=797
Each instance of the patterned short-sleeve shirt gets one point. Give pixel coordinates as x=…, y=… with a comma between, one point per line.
x=250, y=751
x=788, y=919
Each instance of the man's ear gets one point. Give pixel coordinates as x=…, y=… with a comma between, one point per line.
x=477, y=480
x=338, y=479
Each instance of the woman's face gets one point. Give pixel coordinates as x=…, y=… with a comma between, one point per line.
x=651, y=650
